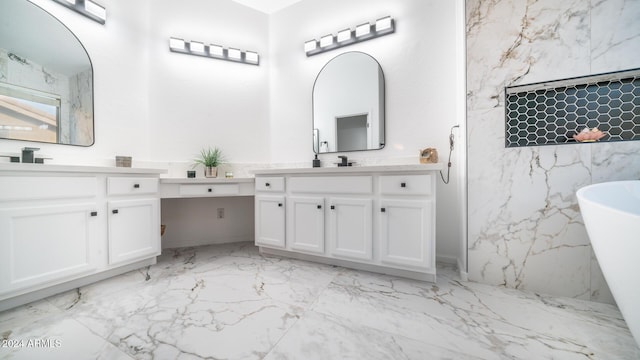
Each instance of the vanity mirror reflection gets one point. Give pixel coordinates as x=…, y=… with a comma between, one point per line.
x=46, y=78
x=348, y=105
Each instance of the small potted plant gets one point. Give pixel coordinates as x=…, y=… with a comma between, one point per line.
x=210, y=159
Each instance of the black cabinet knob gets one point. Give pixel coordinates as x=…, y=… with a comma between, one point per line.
x=383, y=210
x=136, y=186
x=209, y=190
x=333, y=207
x=319, y=206
x=114, y=211
x=403, y=185
x=279, y=204
x=267, y=184
x=94, y=213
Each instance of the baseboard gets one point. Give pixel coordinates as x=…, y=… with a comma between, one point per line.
x=416, y=275
x=447, y=260
x=70, y=285
x=464, y=275
x=201, y=242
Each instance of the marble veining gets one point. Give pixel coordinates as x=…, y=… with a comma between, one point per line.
x=231, y=302
x=525, y=228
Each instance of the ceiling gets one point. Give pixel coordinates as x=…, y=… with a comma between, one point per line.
x=267, y=6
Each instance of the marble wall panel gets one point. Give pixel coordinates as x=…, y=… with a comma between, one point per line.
x=525, y=228
x=80, y=125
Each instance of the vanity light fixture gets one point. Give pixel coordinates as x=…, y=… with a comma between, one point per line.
x=326, y=41
x=251, y=57
x=363, y=29
x=176, y=44
x=362, y=32
x=216, y=50
x=383, y=24
x=213, y=51
x=88, y=8
x=235, y=54
x=196, y=46
x=310, y=45
x=343, y=35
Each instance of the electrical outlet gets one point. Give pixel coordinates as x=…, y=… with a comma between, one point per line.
x=220, y=213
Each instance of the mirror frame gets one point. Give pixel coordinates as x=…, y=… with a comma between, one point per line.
x=93, y=116
x=316, y=137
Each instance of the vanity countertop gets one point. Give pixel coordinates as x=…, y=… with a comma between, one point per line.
x=205, y=180
x=36, y=168
x=354, y=169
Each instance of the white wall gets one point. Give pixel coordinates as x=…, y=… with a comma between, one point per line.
x=419, y=62
x=160, y=106
x=196, y=102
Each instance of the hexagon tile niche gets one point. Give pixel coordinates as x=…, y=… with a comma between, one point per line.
x=550, y=113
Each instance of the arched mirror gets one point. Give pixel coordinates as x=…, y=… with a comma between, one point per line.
x=348, y=105
x=46, y=78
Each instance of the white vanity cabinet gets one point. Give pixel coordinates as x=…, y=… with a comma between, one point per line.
x=270, y=221
x=133, y=211
x=270, y=212
x=58, y=230
x=351, y=228
x=305, y=225
x=379, y=218
x=407, y=220
x=48, y=233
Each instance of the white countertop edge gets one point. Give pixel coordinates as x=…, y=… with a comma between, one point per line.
x=205, y=180
x=78, y=169
x=353, y=169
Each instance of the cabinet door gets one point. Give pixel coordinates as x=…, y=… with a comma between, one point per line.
x=270, y=221
x=305, y=224
x=350, y=233
x=407, y=233
x=40, y=245
x=134, y=230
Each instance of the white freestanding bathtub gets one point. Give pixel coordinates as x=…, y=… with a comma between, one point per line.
x=611, y=213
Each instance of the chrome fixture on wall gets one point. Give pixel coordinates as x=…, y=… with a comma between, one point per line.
x=88, y=8
x=213, y=51
x=362, y=32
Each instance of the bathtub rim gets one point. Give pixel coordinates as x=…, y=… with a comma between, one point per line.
x=580, y=194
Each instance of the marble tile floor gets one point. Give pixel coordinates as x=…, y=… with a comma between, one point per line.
x=230, y=302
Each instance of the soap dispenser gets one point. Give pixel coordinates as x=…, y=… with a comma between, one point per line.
x=316, y=161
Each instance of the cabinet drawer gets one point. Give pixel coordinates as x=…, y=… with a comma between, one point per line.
x=332, y=184
x=406, y=185
x=209, y=190
x=131, y=186
x=47, y=187
x=273, y=184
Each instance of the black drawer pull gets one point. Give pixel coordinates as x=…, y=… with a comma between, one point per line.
x=94, y=213
x=114, y=211
x=210, y=190
x=333, y=207
x=319, y=206
x=267, y=184
x=136, y=186
x=383, y=210
x=279, y=204
x=404, y=185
